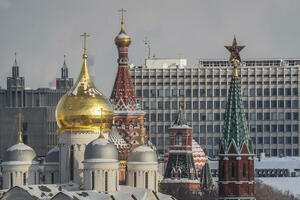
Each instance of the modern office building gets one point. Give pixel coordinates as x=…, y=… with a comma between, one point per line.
x=270, y=90
x=38, y=110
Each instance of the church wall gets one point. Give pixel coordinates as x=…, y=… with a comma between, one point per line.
x=141, y=170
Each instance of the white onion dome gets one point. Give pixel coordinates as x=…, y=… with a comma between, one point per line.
x=53, y=155
x=142, y=154
x=19, y=153
x=100, y=150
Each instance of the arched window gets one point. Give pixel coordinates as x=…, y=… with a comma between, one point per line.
x=72, y=163
x=134, y=179
x=93, y=180
x=232, y=170
x=106, y=182
x=52, y=178
x=11, y=180
x=24, y=178
x=244, y=170
x=178, y=139
x=146, y=180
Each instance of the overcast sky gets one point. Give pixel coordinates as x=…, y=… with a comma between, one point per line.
x=42, y=31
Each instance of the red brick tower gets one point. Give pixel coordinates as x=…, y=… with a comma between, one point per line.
x=236, y=156
x=180, y=178
x=127, y=113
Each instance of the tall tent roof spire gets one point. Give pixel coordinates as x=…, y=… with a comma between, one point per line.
x=235, y=126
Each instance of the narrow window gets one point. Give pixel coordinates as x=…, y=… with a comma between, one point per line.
x=146, y=180
x=52, y=178
x=106, y=182
x=134, y=179
x=93, y=180
x=244, y=170
x=24, y=178
x=11, y=180
x=72, y=163
x=178, y=139
x=232, y=170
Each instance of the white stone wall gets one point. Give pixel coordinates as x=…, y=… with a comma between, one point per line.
x=141, y=169
x=99, y=169
x=48, y=170
x=32, y=175
x=79, y=140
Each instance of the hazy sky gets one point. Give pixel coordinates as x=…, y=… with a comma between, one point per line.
x=42, y=31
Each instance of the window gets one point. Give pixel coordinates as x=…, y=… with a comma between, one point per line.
x=267, y=128
x=195, y=117
x=209, y=105
x=202, y=129
x=295, y=127
x=167, y=92
x=146, y=93
x=202, y=105
x=216, y=92
x=160, y=105
x=281, y=140
x=195, y=105
x=274, y=128
x=146, y=180
x=224, y=92
x=266, y=92
x=259, y=92
x=24, y=178
x=267, y=104
x=274, y=104
x=106, y=182
x=93, y=180
x=167, y=105
x=244, y=170
x=288, y=116
x=209, y=92
x=295, y=116
x=72, y=163
x=281, y=91
x=134, y=179
x=178, y=139
x=281, y=104
x=295, y=103
x=174, y=92
x=259, y=116
x=252, y=104
x=11, y=180
x=195, y=92
x=181, y=92
x=259, y=104
x=266, y=140
x=153, y=105
x=52, y=178
x=288, y=92
x=245, y=92
x=174, y=105
x=281, y=116
x=295, y=91
x=252, y=116
x=160, y=117
x=267, y=116
x=259, y=128
x=217, y=116
x=202, y=93
x=217, y=105
x=232, y=170
x=274, y=92
x=152, y=93
x=160, y=92
x=187, y=93
x=274, y=140
x=252, y=92
x=288, y=104
x=252, y=128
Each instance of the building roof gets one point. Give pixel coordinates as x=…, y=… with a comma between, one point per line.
x=19, y=153
x=100, y=150
x=142, y=154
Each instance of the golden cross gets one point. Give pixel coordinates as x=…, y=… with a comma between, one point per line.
x=182, y=105
x=84, y=35
x=20, y=117
x=122, y=12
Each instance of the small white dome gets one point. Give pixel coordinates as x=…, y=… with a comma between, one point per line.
x=19, y=152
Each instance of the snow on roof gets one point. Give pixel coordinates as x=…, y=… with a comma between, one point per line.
x=142, y=149
x=20, y=146
x=122, y=35
x=284, y=184
x=100, y=141
x=181, y=180
x=54, y=149
x=87, y=194
x=290, y=163
x=184, y=126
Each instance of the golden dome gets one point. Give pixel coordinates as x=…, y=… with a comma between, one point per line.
x=122, y=39
x=84, y=107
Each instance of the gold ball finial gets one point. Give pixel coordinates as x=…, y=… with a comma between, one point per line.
x=122, y=39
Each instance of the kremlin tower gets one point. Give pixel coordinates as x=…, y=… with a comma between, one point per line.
x=128, y=116
x=236, y=156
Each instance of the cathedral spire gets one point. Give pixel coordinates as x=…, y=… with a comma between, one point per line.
x=180, y=120
x=15, y=68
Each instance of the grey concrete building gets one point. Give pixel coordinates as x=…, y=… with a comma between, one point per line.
x=270, y=89
x=38, y=108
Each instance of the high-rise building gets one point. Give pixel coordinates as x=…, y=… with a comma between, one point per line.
x=270, y=90
x=38, y=107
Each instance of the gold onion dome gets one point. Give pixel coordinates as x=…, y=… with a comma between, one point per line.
x=83, y=107
x=122, y=39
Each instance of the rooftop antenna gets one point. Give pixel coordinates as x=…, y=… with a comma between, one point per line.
x=147, y=49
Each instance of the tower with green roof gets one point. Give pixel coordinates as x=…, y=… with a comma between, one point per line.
x=236, y=156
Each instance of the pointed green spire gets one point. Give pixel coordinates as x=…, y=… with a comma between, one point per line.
x=235, y=127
